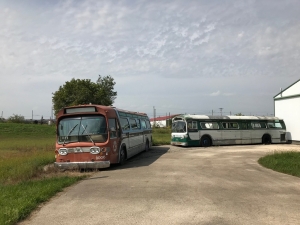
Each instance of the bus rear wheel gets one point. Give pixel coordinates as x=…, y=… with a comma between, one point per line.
x=205, y=141
x=266, y=139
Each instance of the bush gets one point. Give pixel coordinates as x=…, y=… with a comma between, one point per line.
x=16, y=119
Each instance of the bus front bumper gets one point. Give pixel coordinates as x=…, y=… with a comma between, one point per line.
x=179, y=143
x=82, y=165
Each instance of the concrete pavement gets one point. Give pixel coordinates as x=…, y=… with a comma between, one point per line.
x=175, y=185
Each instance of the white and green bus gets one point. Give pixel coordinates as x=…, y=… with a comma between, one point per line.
x=202, y=130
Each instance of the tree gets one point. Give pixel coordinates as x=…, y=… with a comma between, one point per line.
x=16, y=119
x=79, y=92
x=239, y=114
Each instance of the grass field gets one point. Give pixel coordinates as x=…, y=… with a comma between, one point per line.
x=24, y=150
x=161, y=136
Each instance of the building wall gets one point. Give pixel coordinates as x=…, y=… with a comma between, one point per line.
x=293, y=90
x=289, y=110
x=160, y=123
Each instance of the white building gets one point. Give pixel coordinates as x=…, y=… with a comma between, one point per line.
x=162, y=121
x=287, y=107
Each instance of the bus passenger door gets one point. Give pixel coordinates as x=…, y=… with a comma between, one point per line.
x=114, y=140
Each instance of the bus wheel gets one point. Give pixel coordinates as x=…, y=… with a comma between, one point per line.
x=122, y=156
x=147, y=146
x=266, y=139
x=205, y=141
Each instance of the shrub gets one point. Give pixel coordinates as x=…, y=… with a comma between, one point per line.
x=16, y=119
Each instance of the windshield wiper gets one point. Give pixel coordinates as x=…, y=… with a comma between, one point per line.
x=84, y=130
x=70, y=133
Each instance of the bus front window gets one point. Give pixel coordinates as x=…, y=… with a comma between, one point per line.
x=179, y=127
x=82, y=129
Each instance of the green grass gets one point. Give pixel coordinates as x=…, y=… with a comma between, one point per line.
x=161, y=136
x=19, y=200
x=284, y=162
x=24, y=151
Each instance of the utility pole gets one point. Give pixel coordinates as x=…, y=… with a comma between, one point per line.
x=212, y=112
x=154, y=112
x=221, y=110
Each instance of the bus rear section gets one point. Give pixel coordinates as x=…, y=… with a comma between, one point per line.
x=91, y=137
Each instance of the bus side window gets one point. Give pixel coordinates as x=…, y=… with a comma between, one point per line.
x=255, y=125
x=224, y=125
x=124, y=123
x=133, y=123
x=209, y=125
x=243, y=126
x=143, y=124
x=263, y=125
x=192, y=126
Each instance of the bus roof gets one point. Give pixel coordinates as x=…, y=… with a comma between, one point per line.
x=92, y=108
x=206, y=117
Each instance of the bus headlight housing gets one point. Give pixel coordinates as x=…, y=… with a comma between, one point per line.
x=63, y=151
x=94, y=150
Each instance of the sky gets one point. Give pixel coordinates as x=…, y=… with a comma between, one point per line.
x=177, y=56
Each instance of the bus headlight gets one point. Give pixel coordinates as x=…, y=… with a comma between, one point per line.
x=63, y=151
x=94, y=150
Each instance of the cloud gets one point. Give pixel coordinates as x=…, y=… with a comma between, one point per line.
x=177, y=44
x=217, y=93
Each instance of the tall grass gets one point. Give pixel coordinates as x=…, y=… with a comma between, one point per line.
x=24, y=150
x=161, y=136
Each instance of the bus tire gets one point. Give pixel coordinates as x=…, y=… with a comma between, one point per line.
x=122, y=156
x=205, y=141
x=266, y=139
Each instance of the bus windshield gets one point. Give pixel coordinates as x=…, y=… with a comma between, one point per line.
x=82, y=129
x=179, y=127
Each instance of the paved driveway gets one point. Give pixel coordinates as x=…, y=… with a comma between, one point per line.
x=174, y=185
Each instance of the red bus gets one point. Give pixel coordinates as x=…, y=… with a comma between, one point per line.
x=95, y=136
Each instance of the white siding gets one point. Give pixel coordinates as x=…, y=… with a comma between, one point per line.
x=290, y=91
x=289, y=110
x=160, y=123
